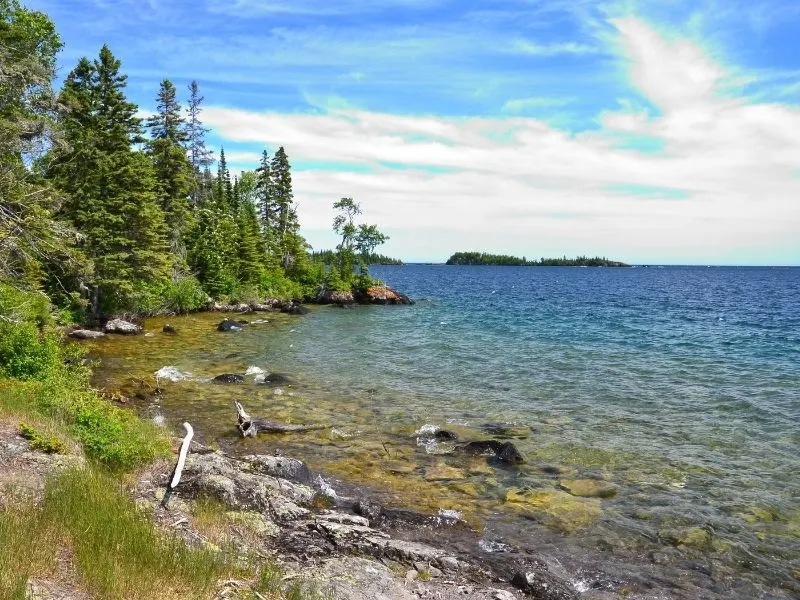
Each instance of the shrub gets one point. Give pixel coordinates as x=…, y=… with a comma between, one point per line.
x=28, y=353
x=184, y=295
x=38, y=441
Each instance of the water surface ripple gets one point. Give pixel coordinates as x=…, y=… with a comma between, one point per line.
x=679, y=384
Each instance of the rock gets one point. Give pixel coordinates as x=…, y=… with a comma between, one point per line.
x=504, y=451
x=279, y=466
x=503, y=595
x=399, y=467
x=228, y=325
x=444, y=473
x=383, y=295
x=122, y=327
x=242, y=307
x=335, y=297
x=228, y=378
x=279, y=379
x=443, y=435
x=358, y=579
x=293, y=308
x=86, y=334
x=556, y=469
x=255, y=522
x=505, y=430
x=692, y=537
x=589, y=488
x=509, y=454
x=261, y=307
x=168, y=328
x=543, y=585
x=556, y=508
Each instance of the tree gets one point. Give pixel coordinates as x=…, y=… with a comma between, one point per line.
x=111, y=187
x=200, y=157
x=223, y=187
x=286, y=226
x=356, y=239
x=32, y=242
x=172, y=168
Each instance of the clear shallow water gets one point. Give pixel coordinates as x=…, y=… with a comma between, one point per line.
x=679, y=385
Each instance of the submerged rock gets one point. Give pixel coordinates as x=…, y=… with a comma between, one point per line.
x=505, y=430
x=555, y=507
x=279, y=379
x=168, y=328
x=228, y=378
x=228, y=325
x=504, y=451
x=444, y=473
x=86, y=334
x=122, y=327
x=589, y=488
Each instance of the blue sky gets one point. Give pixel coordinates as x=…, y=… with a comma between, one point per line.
x=645, y=131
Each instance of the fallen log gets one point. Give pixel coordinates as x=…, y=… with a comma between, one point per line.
x=250, y=427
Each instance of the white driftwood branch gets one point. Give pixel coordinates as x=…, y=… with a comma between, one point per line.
x=175, y=478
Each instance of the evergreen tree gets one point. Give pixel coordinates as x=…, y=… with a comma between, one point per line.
x=286, y=225
x=173, y=170
x=223, y=188
x=200, y=157
x=31, y=240
x=111, y=187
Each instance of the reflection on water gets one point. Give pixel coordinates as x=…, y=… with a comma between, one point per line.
x=696, y=502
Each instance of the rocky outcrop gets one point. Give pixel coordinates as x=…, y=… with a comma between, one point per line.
x=543, y=585
x=85, y=334
x=382, y=295
x=326, y=296
x=121, y=326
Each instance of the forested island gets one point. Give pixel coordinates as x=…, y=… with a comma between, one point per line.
x=371, y=258
x=484, y=258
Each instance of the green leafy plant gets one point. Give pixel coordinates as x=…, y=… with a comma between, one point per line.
x=37, y=441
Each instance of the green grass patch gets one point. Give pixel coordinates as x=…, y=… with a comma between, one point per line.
x=49, y=444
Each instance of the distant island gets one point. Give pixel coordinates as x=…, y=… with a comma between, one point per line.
x=483, y=258
x=371, y=258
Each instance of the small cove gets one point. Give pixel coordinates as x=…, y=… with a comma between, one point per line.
x=658, y=382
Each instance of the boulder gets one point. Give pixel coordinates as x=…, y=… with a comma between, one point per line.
x=509, y=454
x=541, y=584
x=168, y=328
x=443, y=435
x=279, y=379
x=503, y=451
x=294, y=308
x=383, y=295
x=86, y=334
x=229, y=378
x=122, y=327
x=242, y=307
x=279, y=466
x=228, y=325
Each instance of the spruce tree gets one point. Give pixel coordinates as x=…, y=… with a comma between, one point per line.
x=286, y=226
x=172, y=168
x=111, y=187
x=200, y=157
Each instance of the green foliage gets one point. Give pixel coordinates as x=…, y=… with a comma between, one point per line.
x=372, y=258
x=482, y=258
x=184, y=295
x=38, y=441
x=26, y=353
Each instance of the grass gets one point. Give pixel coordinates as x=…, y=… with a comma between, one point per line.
x=117, y=551
x=49, y=444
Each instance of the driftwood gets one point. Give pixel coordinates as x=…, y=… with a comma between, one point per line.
x=175, y=476
x=251, y=427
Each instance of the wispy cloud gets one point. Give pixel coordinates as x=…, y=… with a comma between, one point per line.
x=555, y=49
x=523, y=105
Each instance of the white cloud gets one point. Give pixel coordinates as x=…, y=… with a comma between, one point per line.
x=526, y=47
x=522, y=105
x=520, y=185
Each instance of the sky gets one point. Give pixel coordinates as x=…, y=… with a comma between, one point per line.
x=663, y=132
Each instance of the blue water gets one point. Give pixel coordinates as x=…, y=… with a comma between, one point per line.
x=681, y=385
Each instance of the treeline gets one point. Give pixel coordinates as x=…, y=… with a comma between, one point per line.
x=108, y=212
x=329, y=257
x=483, y=258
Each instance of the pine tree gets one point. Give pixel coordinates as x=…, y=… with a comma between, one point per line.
x=173, y=170
x=200, y=157
x=264, y=201
x=111, y=187
x=223, y=188
x=286, y=226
